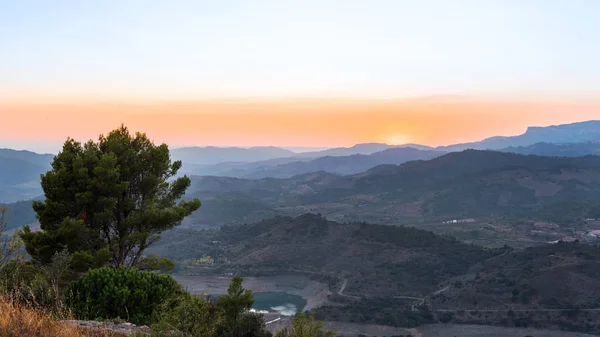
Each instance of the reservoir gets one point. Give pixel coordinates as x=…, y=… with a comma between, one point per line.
x=282, y=303
x=284, y=294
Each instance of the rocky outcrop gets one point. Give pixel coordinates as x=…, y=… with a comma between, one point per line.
x=120, y=328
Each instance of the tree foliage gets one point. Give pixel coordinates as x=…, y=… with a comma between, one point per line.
x=107, y=201
x=123, y=292
x=305, y=326
x=10, y=247
x=234, y=306
x=229, y=316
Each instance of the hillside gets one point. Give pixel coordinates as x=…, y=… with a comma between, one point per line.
x=563, y=275
x=20, y=213
x=551, y=286
x=377, y=273
x=456, y=184
x=370, y=257
x=20, y=174
x=19, y=179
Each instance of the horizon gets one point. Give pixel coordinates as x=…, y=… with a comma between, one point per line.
x=295, y=149
x=283, y=74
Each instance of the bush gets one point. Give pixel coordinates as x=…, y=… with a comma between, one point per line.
x=124, y=293
x=187, y=316
x=26, y=283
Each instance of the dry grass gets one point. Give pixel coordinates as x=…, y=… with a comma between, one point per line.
x=22, y=321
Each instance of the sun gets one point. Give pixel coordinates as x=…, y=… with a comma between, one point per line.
x=397, y=139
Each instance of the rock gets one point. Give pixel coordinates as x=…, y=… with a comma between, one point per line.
x=121, y=328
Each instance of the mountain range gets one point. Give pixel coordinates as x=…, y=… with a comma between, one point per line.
x=563, y=140
x=460, y=184
x=467, y=184
x=429, y=183
x=580, y=132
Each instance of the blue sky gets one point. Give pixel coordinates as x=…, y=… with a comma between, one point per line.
x=180, y=49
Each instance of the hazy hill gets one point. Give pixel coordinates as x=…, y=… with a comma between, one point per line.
x=557, y=150
x=28, y=156
x=581, y=132
x=342, y=165
x=460, y=184
x=20, y=213
x=464, y=183
x=346, y=165
x=213, y=155
x=20, y=174
x=565, y=133
x=364, y=149
x=19, y=179
x=238, y=169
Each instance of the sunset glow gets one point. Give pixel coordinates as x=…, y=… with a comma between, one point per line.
x=308, y=122
x=295, y=74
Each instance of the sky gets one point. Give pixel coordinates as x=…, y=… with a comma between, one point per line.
x=295, y=73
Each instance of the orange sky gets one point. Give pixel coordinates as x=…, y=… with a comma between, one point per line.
x=290, y=122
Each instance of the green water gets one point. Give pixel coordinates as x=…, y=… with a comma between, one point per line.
x=284, y=303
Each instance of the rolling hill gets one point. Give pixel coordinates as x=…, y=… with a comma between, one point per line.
x=484, y=185
x=19, y=179
x=20, y=174
x=342, y=165
x=371, y=257
x=469, y=183
x=20, y=213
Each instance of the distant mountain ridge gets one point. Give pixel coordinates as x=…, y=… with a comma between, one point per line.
x=31, y=157
x=213, y=155
x=344, y=165
x=459, y=184
x=363, y=148
x=557, y=150
x=580, y=132
x=571, y=140
x=575, y=133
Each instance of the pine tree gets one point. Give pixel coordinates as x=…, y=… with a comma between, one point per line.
x=107, y=201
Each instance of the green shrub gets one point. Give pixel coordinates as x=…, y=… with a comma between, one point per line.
x=187, y=316
x=125, y=293
x=26, y=283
